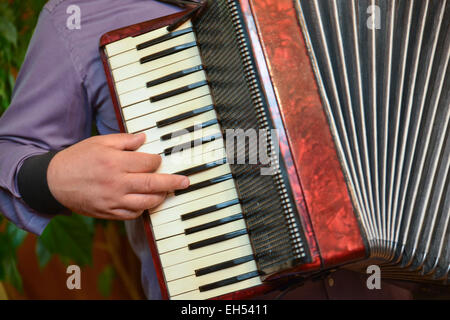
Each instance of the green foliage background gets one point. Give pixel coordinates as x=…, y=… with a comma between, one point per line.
x=69, y=237
x=17, y=21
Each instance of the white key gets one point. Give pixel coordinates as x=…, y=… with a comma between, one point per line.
x=140, y=81
x=155, y=133
x=137, y=68
x=184, y=254
x=147, y=106
x=183, y=240
x=157, y=147
x=197, y=295
x=168, y=166
x=174, y=213
x=210, y=173
x=187, y=154
x=142, y=94
x=178, y=226
x=131, y=56
x=173, y=201
x=131, y=42
x=190, y=283
x=188, y=268
x=190, y=105
x=179, y=133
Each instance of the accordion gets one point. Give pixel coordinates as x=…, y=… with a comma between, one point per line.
x=315, y=135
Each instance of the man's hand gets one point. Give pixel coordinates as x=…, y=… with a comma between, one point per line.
x=99, y=177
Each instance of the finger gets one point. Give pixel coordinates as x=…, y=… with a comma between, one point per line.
x=141, y=202
x=139, y=162
x=156, y=182
x=122, y=141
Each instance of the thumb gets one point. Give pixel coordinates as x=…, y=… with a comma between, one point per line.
x=124, y=141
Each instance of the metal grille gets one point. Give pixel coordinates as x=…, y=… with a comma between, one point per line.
x=276, y=237
x=382, y=67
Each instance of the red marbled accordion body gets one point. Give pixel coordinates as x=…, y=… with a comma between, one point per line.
x=306, y=144
x=316, y=162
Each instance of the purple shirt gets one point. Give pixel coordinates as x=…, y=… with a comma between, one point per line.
x=60, y=90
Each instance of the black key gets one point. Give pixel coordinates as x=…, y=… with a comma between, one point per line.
x=222, y=237
x=163, y=38
x=183, y=116
x=189, y=129
x=173, y=76
x=202, y=167
x=228, y=281
x=223, y=265
x=192, y=144
x=167, y=52
x=213, y=224
x=201, y=212
x=178, y=91
x=204, y=184
x=192, y=13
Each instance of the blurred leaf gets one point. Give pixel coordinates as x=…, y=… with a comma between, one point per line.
x=2, y=271
x=8, y=31
x=12, y=274
x=17, y=23
x=105, y=281
x=4, y=252
x=70, y=237
x=42, y=254
x=11, y=81
x=10, y=240
x=15, y=235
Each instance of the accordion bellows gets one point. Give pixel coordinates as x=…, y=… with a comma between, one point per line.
x=383, y=72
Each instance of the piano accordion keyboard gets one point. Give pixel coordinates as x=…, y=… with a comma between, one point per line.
x=200, y=232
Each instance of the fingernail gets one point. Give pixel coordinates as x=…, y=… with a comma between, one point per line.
x=185, y=183
x=140, y=135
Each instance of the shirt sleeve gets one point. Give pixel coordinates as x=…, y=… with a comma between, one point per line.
x=48, y=112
